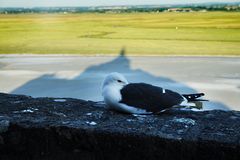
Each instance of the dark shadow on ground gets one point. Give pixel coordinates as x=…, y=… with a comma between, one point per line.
x=87, y=85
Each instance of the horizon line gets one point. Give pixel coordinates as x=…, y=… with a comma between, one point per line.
x=164, y=4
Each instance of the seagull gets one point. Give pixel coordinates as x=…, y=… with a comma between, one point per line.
x=142, y=98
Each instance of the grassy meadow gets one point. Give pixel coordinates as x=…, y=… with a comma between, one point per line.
x=210, y=33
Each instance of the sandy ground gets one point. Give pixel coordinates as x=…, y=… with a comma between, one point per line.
x=81, y=77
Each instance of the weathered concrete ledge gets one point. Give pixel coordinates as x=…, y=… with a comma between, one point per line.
x=52, y=128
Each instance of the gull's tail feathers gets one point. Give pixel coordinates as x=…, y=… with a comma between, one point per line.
x=194, y=97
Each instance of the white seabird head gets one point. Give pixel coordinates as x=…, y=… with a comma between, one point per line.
x=111, y=87
x=115, y=80
x=111, y=91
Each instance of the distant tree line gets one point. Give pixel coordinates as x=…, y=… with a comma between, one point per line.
x=121, y=9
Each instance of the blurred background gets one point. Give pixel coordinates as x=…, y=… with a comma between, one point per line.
x=66, y=48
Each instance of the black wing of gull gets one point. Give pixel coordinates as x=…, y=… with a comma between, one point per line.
x=148, y=97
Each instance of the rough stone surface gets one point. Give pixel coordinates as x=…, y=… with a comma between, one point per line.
x=65, y=128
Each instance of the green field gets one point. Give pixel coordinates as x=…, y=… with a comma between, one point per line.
x=211, y=33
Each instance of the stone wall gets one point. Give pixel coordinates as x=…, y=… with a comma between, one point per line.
x=53, y=128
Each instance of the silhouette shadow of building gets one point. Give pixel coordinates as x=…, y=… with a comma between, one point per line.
x=87, y=85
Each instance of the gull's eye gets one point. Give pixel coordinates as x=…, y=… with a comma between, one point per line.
x=119, y=81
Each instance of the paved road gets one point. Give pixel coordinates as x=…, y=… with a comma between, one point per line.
x=81, y=77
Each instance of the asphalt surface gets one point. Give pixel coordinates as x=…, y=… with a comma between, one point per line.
x=81, y=77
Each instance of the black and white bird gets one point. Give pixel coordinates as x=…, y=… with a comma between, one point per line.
x=141, y=98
